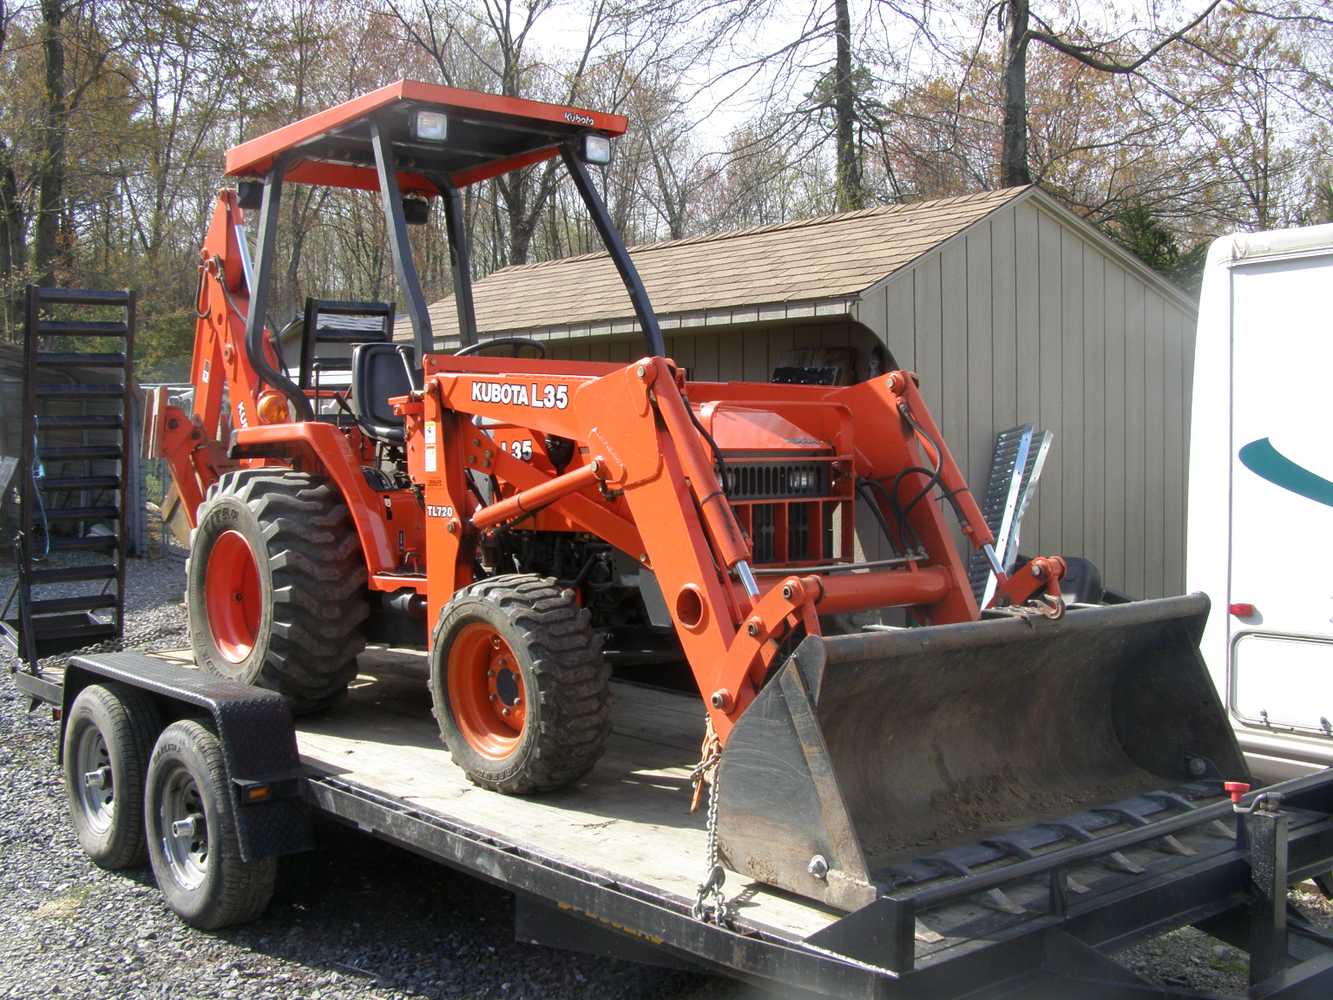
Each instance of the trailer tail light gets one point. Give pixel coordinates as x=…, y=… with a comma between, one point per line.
x=1241, y=609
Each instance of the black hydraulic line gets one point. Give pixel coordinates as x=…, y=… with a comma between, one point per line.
x=615, y=246
x=391, y=198
x=460, y=261
x=267, y=240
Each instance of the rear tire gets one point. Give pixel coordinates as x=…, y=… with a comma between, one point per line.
x=521, y=690
x=109, y=735
x=277, y=586
x=199, y=867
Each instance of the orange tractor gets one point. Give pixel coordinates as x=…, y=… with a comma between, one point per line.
x=507, y=512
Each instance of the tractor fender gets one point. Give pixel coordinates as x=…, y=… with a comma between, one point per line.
x=323, y=448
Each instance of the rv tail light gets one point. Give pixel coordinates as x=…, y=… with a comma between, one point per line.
x=1241, y=610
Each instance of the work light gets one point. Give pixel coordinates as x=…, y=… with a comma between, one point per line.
x=596, y=149
x=430, y=126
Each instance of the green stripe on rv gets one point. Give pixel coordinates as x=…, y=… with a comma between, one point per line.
x=1266, y=462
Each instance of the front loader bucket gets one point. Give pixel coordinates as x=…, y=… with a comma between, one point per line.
x=864, y=750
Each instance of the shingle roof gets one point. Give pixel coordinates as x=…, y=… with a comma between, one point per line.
x=835, y=256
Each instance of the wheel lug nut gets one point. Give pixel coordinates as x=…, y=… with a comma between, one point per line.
x=490, y=673
x=493, y=696
x=504, y=711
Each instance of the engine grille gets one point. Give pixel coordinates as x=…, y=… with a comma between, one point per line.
x=785, y=508
x=771, y=481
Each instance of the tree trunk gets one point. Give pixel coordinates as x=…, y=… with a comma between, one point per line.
x=850, y=193
x=521, y=228
x=51, y=172
x=1014, y=136
x=12, y=251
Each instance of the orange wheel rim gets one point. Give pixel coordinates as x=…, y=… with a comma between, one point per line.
x=486, y=691
x=231, y=596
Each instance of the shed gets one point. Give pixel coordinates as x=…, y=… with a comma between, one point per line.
x=1010, y=308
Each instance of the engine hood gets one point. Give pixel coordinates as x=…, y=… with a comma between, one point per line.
x=741, y=430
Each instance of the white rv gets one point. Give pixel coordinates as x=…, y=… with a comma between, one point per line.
x=1260, y=540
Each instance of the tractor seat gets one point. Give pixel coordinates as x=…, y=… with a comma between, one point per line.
x=380, y=372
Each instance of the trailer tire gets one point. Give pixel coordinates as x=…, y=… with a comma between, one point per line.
x=199, y=869
x=110, y=729
x=277, y=586
x=532, y=729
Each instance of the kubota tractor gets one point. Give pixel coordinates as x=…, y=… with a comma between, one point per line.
x=508, y=512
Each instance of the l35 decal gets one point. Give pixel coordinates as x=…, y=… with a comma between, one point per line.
x=1266, y=462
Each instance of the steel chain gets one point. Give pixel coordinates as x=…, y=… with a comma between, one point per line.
x=710, y=902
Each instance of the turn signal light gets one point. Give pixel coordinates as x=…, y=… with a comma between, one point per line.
x=272, y=408
x=1241, y=610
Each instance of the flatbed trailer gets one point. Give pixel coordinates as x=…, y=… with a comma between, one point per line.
x=612, y=865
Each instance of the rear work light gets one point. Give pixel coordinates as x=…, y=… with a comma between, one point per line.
x=596, y=149
x=430, y=126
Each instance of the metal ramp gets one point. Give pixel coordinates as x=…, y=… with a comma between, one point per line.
x=1016, y=464
x=71, y=480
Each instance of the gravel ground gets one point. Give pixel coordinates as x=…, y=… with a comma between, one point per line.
x=357, y=919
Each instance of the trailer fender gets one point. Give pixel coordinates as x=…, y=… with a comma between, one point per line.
x=264, y=774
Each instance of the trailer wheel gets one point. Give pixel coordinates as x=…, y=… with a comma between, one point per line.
x=521, y=690
x=277, y=586
x=109, y=734
x=192, y=840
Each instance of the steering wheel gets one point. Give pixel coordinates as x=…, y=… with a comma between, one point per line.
x=515, y=344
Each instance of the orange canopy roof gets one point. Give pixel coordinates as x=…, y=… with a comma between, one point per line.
x=488, y=135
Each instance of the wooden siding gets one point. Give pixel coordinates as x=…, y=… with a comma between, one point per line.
x=1022, y=317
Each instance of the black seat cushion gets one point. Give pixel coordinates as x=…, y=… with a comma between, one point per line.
x=380, y=372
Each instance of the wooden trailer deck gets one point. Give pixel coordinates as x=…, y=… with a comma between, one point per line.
x=629, y=818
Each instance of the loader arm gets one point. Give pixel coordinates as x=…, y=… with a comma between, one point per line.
x=646, y=482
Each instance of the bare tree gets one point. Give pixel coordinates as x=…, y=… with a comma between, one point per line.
x=1118, y=55
x=51, y=171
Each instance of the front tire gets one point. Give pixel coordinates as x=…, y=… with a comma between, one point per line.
x=520, y=687
x=277, y=586
x=109, y=735
x=193, y=843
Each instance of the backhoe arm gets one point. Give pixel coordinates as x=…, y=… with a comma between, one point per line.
x=220, y=369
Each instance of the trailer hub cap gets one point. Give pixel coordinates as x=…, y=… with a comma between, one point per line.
x=231, y=596
x=96, y=792
x=184, y=829
x=486, y=690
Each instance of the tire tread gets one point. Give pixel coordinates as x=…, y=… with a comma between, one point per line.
x=572, y=676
